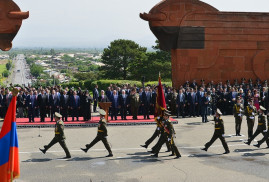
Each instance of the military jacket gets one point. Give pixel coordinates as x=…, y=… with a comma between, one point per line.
x=59, y=129
x=236, y=110
x=219, y=126
x=261, y=122
x=250, y=112
x=102, y=131
x=168, y=128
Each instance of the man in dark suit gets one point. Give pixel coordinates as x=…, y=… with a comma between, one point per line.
x=54, y=104
x=146, y=102
x=103, y=97
x=31, y=104
x=192, y=102
x=42, y=102
x=20, y=105
x=123, y=104
x=180, y=104
x=64, y=104
x=95, y=97
x=75, y=105
x=115, y=105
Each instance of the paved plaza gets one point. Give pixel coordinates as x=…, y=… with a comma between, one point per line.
x=132, y=163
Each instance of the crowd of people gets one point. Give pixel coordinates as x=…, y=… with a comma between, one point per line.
x=190, y=100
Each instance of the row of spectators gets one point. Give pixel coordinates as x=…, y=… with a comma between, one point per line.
x=190, y=100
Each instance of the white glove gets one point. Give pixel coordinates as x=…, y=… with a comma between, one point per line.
x=240, y=110
x=253, y=114
x=158, y=117
x=240, y=115
x=169, y=139
x=264, y=131
x=158, y=128
x=251, y=117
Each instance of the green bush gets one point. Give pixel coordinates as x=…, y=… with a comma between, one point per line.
x=5, y=73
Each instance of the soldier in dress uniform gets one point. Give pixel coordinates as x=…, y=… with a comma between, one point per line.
x=219, y=133
x=250, y=112
x=167, y=134
x=266, y=136
x=261, y=128
x=59, y=136
x=134, y=103
x=238, y=110
x=101, y=135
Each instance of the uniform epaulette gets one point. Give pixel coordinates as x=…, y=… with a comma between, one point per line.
x=61, y=122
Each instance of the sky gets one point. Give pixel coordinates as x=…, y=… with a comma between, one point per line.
x=95, y=23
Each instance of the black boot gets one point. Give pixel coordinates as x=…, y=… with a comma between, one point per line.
x=205, y=149
x=84, y=150
x=257, y=145
x=43, y=150
x=226, y=152
x=145, y=146
x=110, y=155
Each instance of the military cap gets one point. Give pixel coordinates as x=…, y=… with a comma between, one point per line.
x=262, y=108
x=166, y=112
x=58, y=115
x=219, y=112
x=102, y=112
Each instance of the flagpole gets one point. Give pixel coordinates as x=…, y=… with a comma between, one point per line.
x=11, y=176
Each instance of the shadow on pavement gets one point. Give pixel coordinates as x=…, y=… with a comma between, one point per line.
x=254, y=154
x=85, y=158
x=195, y=123
x=38, y=160
x=204, y=155
x=244, y=150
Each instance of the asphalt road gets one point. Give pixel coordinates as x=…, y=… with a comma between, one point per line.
x=21, y=71
x=132, y=163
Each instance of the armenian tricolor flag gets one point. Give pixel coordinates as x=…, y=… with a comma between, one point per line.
x=9, y=148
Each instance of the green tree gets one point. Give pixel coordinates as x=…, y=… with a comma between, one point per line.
x=9, y=65
x=36, y=70
x=5, y=73
x=118, y=56
x=151, y=63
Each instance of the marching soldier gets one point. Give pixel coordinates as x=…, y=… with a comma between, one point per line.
x=167, y=134
x=219, y=133
x=261, y=126
x=134, y=103
x=237, y=111
x=250, y=114
x=265, y=138
x=59, y=136
x=155, y=134
x=101, y=135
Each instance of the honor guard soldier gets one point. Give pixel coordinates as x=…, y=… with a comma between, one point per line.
x=261, y=128
x=250, y=112
x=59, y=136
x=219, y=133
x=238, y=114
x=101, y=135
x=266, y=136
x=167, y=134
x=155, y=134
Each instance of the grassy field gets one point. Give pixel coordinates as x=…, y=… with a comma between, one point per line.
x=2, y=69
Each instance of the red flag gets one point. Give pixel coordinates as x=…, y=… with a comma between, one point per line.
x=9, y=148
x=160, y=101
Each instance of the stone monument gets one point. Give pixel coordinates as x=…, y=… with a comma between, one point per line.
x=209, y=44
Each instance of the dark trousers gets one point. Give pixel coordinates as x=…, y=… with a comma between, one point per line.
x=257, y=132
x=180, y=110
x=214, y=138
x=97, y=139
x=204, y=113
x=114, y=113
x=146, y=110
x=163, y=139
x=94, y=106
x=265, y=138
x=155, y=135
x=123, y=112
x=64, y=112
x=42, y=114
x=192, y=109
x=238, y=122
x=61, y=141
x=75, y=113
x=52, y=112
x=31, y=114
x=250, y=123
x=87, y=115
x=174, y=147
